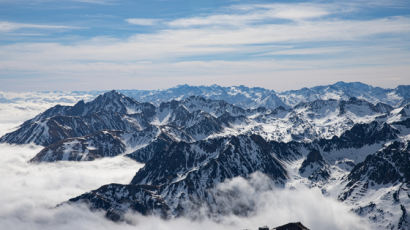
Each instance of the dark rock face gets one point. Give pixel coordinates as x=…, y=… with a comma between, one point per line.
x=287, y=151
x=405, y=111
x=390, y=165
x=263, y=228
x=228, y=157
x=352, y=104
x=404, y=222
x=90, y=147
x=292, y=226
x=161, y=144
x=185, y=174
x=213, y=107
x=314, y=167
x=405, y=123
x=313, y=157
x=404, y=91
x=360, y=135
x=116, y=199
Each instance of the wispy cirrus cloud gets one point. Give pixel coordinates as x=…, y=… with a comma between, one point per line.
x=188, y=42
x=99, y=2
x=248, y=14
x=253, y=41
x=96, y=1
x=12, y=26
x=143, y=21
x=307, y=51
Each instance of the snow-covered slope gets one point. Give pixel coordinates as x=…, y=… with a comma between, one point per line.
x=259, y=97
x=90, y=147
x=312, y=120
x=344, y=91
x=237, y=95
x=379, y=186
x=196, y=118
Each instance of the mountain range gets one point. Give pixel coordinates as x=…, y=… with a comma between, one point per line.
x=247, y=97
x=351, y=140
x=243, y=96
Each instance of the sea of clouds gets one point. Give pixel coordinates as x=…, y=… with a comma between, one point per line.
x=30, y=193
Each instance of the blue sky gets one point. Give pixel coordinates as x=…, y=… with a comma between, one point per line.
x=105, y=44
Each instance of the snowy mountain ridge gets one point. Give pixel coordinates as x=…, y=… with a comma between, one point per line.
x=243, y=96
x=192, y=145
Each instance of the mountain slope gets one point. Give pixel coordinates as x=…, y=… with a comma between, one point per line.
x=385, y=174
x=186, y=174
x=90, y=147
x=140, y=123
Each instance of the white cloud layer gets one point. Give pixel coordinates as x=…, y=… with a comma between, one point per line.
x=31, y=191
x=15, y=108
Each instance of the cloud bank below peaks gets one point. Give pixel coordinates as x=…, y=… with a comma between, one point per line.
x=31, y=191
